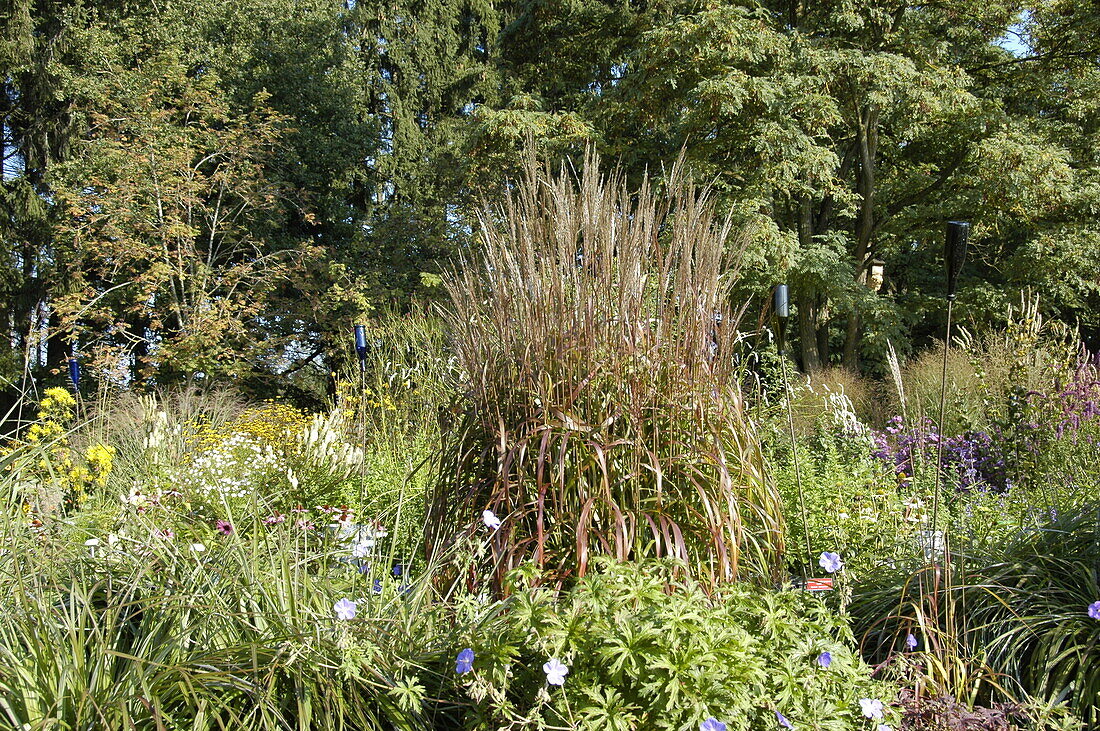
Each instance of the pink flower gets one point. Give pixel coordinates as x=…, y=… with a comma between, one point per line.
x=224, y=527
x=275, y=519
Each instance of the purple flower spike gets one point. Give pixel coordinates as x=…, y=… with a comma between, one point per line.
x=830, y=562
x=465, y=661
x=783, y=720
x=825, y=659
x=1094, y=610
x=911, y=641
x=712, y=724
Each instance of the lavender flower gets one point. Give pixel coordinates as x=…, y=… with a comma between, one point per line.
x=712, y=724
x=825, y=659
x=871, y=707
x=830, y=562
x=911, y=641
x=345, y=609
x=555, y=671
x=783, y=720
x=1094, y=610
x=465, y=661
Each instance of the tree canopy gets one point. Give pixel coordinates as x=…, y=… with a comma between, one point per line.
x=219, y=190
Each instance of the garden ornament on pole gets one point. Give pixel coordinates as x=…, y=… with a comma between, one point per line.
x=782, y=304
x=782, y=313
x=954, y=254
x=361, y=346
x=74, y=370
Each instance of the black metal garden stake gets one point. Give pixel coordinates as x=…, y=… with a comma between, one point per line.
x=782, y=305
x=954, y=254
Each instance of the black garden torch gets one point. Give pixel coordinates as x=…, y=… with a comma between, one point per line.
x=954, y=254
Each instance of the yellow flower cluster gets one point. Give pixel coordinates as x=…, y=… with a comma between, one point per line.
x=54, y=410
x=272, y=424
x=61, y=464
x=351, y=396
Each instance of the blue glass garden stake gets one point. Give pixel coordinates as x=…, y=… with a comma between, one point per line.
x=361, y=345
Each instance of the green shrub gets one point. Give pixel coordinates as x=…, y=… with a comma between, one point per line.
x=646, y=649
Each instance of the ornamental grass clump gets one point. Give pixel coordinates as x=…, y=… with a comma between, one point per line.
x=602, y=412
x=1017, y=617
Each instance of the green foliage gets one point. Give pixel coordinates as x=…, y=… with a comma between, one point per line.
x=648, y=649
x=108, y=639
x=1019, y=603
x=853, y=507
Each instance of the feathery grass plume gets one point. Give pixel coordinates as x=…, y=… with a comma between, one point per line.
x=899, y=383
x=602, y=410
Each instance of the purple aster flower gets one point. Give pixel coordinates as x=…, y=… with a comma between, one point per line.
x=1094, y=610
x=911, y=641
x=555, y=671
x=345, y=609
x=825, y=659
x=830, y=562
x=465, y=661
x=712, y=724
x=782, y=720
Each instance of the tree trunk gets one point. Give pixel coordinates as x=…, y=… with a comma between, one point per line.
x=867, y=140
x=807, y=331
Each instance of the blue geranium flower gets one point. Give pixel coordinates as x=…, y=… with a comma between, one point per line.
x=830, y=562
